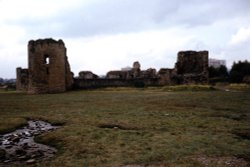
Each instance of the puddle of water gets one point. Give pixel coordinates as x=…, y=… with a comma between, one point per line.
x=19, y=146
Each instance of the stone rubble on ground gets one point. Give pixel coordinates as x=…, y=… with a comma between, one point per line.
x=19, y=146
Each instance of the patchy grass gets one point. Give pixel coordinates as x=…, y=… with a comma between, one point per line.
x=239, y=87
x=188, y=88
x=119, y=127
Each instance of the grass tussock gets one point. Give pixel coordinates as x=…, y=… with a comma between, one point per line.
x=150, y=126
x=10, y=124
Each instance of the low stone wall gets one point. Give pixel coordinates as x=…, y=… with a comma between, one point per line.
x=22, y=79
x=99, y=83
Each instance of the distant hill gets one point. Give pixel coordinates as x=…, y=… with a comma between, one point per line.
x=7, y=81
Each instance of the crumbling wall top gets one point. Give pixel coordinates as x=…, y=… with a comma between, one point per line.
x=136, y=65
x=46, y=41
x=192, y=52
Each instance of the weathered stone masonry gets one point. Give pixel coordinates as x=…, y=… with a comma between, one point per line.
x=48, y=68
x=22, y=79
x=191, y=68
x=49, y=71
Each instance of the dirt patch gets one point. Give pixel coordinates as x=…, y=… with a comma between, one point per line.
x=242, y=133
x=145, y=166
x=133, y=166
x=221, y=161
x=116, y=126
x=19, y=146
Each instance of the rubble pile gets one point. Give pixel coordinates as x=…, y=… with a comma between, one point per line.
x=19, y=146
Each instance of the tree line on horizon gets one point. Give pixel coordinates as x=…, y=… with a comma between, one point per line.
x=239, y=73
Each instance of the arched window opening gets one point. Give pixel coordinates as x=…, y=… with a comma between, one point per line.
x=46, y=59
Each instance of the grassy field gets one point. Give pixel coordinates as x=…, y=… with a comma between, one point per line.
x=154, y=126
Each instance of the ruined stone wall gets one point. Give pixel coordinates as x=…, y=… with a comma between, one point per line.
x=49, y=70
x=98, y=83
x=117, y=74
x=22, y=79
x=166, y=76
x=136, y=70
x=133, y=73
x=149, y=73
x=69, y=76
x=192, y=67
x=87, y=75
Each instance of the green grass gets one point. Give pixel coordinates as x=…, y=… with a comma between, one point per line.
x=158, y=127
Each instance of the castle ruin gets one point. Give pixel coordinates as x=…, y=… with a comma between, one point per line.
x=191, y=68
x=49, y=71
x=133, y=73
x=48, y=68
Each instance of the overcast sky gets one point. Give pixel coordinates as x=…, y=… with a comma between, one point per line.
x=103, y=35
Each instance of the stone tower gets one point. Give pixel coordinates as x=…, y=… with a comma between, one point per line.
x=136, y=69
x=192, y=66
x=48, y=67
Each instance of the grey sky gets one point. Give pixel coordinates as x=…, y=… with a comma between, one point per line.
x=102, y=35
